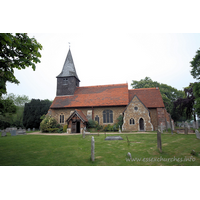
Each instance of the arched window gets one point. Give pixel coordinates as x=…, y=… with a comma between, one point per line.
x=61, y=118
x=107, y=116
x=132, y=121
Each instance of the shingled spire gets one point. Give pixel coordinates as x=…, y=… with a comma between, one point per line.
x=68, y=67
x=67, y=80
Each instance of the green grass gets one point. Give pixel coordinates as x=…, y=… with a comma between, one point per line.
x=44, y=150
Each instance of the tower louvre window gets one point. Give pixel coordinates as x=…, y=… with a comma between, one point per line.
x=65, y=81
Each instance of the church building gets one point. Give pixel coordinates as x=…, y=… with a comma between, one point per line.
x=142, y=109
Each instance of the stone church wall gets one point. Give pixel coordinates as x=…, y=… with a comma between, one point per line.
x=97, y=111
x=154, y=118
x=136, y=110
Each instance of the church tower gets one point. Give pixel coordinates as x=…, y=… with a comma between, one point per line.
x=67, y=80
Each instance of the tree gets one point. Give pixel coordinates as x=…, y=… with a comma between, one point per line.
x=17, y=51
x=168, y=93
x=195, y=72
x=195, y=65
x=14, y=118
x=33, y=112
x=186, y=104
x=7, y=106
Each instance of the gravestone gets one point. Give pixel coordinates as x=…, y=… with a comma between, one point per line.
x=197, y=134
x=114, y=138
x=159, y=144
x=29, y=129
x=33, y=129
x=197, y=124
x=13, y=132
x=161, y=127
x=186, y=130
x=129, y=155
x=194, y=125
x=92, y=148
x=84, y=132
x=168, y=125
x=21, y=131
x=3, y=133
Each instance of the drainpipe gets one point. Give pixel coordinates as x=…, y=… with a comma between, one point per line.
x=92, y=113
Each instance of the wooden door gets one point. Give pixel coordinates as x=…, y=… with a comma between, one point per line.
x=73, y=127
x=141, y=122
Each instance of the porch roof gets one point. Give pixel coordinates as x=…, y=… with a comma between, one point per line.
x=80, y=114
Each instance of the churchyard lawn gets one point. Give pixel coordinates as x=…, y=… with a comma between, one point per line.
x=73, y=150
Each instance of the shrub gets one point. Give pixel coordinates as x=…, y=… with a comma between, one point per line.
x=53, y=130
x=120, y=121
x=65, y=128
x=49, y=123
x=92, y=123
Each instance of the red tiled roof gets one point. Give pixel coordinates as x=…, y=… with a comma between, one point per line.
x=105, y=95
x=150, y=97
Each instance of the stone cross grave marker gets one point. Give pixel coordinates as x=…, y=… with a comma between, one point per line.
x=159, y=144
x=3, y=133
x=92, y=148
x=197, y=134
x=13, y=132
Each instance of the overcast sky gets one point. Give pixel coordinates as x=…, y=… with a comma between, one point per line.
x=109, y=59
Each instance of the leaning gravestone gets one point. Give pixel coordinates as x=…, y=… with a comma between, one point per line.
x=159, y=144
x=13, y=132
x=92, y=148
x=197, y=134
x=129, y=155
x=114, y=138
x=3, y=133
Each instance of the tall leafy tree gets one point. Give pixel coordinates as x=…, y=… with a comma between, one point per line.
x=14, y=118
x=33, y=112
x=195, y=72
x=196, y=91
x=186, y=104
x=17, y=51
x=195, y=65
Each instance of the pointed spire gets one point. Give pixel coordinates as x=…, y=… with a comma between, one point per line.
x=68, y=68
